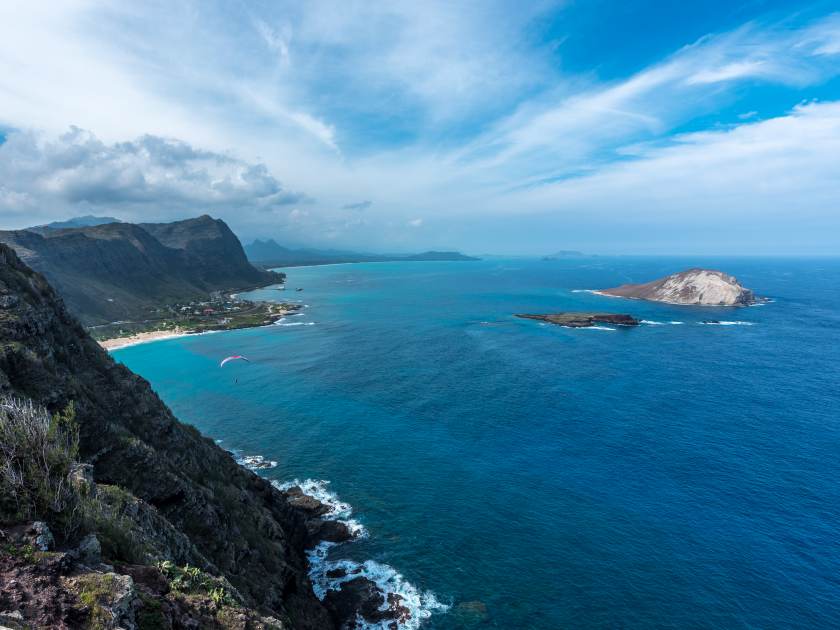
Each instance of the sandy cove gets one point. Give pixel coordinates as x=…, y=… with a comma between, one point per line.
x=143, y=337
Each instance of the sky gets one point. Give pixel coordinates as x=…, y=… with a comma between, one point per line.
x=607, y=126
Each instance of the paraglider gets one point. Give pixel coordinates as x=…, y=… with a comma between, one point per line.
x=233, y=358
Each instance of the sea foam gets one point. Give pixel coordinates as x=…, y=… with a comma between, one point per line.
x=421, y=604
x=338, y=509
x=252, y=462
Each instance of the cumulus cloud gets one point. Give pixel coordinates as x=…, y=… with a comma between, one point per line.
x=148, y=175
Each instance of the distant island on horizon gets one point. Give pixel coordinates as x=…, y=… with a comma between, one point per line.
x=269, y=253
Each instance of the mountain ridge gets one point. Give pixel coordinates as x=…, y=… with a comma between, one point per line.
x=119, y=271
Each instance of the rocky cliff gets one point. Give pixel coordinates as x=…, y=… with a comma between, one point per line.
x=121, y=271
x=178, y=496
x=700, y=287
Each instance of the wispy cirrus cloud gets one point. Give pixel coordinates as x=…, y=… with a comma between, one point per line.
x=434, y=110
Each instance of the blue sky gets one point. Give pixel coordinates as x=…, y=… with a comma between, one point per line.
x=509, y=127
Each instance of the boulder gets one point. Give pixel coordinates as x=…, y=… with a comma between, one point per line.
x=41, y=536
x=89, y=551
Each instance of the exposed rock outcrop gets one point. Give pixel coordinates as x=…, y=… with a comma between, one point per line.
x=163, y=476
x=583, y=320
x=698, y=287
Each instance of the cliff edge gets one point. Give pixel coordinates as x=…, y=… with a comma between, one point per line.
x=176, y=496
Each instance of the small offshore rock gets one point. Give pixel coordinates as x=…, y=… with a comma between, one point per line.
x=574, y=319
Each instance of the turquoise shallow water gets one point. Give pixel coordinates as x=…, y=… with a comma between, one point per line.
x=672, y=475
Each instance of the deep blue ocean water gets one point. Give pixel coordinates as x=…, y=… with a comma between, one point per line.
x=530, y=476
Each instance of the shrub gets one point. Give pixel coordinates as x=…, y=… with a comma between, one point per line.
x=192, y=580
x=37, y=452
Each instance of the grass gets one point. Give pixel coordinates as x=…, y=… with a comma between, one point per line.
x=37, y=452
x=95, y=589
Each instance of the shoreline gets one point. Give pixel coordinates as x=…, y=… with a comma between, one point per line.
x=116, y=343
x=272, y=313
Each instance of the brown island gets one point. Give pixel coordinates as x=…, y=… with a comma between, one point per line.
x=583, y=320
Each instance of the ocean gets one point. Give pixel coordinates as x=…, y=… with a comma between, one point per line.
x=509, y=474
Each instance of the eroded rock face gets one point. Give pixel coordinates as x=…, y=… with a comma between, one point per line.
x=699, y=287
x=205, y=508
x=118, y=271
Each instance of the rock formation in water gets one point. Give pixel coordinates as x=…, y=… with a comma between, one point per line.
x=583, y=320
x=700, y=287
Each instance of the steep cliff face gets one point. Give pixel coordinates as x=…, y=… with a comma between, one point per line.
x=120, y=271
x=238, y=526
x=210, y=250
x=699, y=287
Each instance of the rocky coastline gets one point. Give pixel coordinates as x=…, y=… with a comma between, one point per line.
x=164, y=502
x=158, y=526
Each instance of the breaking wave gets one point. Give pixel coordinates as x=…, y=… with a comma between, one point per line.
x=650, y=322
x=421, y=604
x=252, y=462
x=727, y=323
x=329, y=574
x=338, y=509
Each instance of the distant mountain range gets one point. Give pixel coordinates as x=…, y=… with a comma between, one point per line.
x=86, y=221
x=564, y=253
x=268, y=253
x=119, y=271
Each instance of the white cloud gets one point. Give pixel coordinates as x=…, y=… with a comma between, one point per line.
x=434, y=109
x=750, y=180
x=147, y=175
